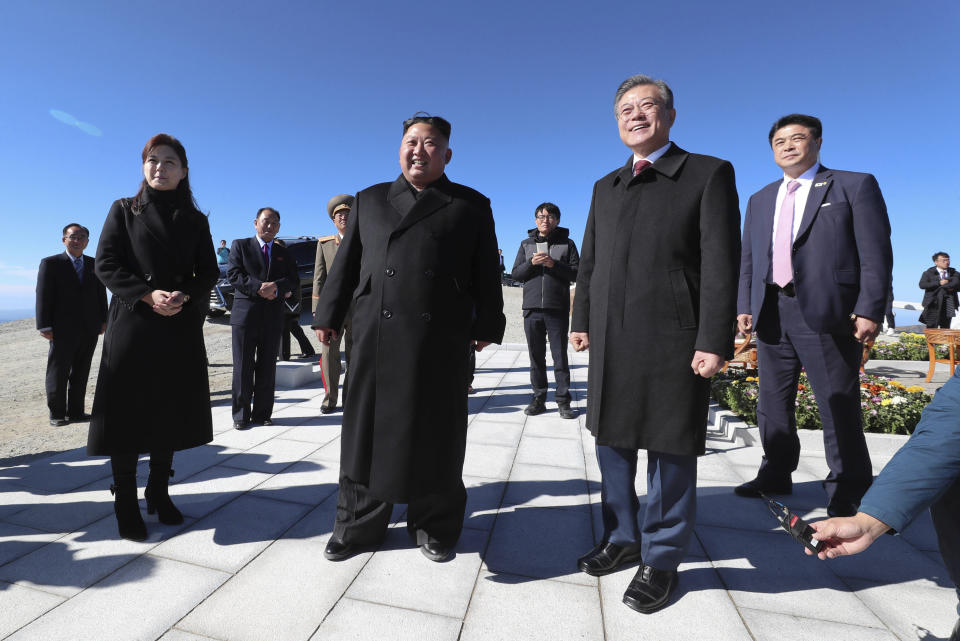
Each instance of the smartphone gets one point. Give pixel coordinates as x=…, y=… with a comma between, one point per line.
x=541, y=248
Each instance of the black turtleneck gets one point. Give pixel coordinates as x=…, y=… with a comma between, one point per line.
x=166, y=200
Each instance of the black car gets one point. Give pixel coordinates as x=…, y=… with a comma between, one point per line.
x=304, y=250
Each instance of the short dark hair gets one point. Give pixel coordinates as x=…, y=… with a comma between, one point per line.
x=87, y=231
x=939, y=254
x=440, y=124
x=263, y=209
x=550, y=207
x=810, y=122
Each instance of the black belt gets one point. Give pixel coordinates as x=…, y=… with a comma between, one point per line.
x=786, y=290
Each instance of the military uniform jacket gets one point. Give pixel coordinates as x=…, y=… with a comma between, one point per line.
x=152, y=389
x=423, y=276
x=657, y=281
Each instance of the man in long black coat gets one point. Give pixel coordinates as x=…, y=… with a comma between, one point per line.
x=263, y=274
x=655, y=303
x=71, y=314
x=419, y=262
x=940, y=285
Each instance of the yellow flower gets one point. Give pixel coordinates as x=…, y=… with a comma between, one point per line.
x=886, y=401
x=913, y=389
x=897, y=385
x=751, y=378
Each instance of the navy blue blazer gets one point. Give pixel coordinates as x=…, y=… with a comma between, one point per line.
x=246, y=271
x=842, y=259
x=64, y=303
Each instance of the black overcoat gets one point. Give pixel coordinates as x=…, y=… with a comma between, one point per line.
x=425, y=280
x=936, y=295
x=152, y=390
x=657, y=281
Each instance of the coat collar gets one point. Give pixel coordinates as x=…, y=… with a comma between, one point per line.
x=413, y=209
x=669, y=164
x=818, y=191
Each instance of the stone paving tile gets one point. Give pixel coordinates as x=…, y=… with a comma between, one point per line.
x=557, y=452
x=384, y=622
x=80, y=559
x=57, y=473
x=493, y=433
x=67, y=511
x=19, y=606
x=921, y=535
x=540, y=542
x=546, y=486
x=271, y=457
x=699, y=603
x=207, y=491
x=769, y=571
x=329, y=452
x=284, y=593
x=321, y=431
x=180, y=635
x=490, y=461
x=718, y=505
x=245, y=439
x=484, y=497
x=17, y=541
x=910, y=612
x=771, y=626
x=399, y=575
x=512, y=608
x=227, y=539
x=552, y=426
x=136, y=602
x=317, y=525
x=307, y=482
x=193, y=461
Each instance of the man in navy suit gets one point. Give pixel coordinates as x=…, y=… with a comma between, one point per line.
x=814, y=274
x=71, y=314
x=262, y=273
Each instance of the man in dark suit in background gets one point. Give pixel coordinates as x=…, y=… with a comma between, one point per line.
x=814, y=278
x=663, y=234
x=71, y=314
x=262, y=273
x=940, y=284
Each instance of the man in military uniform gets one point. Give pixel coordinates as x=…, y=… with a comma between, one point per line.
x=339, y=210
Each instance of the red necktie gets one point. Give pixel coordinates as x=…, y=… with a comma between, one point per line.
x=640, y=165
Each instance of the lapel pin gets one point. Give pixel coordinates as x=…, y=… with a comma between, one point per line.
x=820, y=184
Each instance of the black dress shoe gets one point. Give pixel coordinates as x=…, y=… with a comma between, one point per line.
x=566, y=411
x=328, y=409
x=242, y=425
x=607, y=558
x=650, y=589
x=755, y=488
x=436, y=551
x=338, y=551
x=59, y=422
x=266, y=421
x=82, y=416
x=841, y=507
x=536, y=406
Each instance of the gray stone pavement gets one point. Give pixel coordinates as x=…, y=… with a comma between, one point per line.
x=259, y=506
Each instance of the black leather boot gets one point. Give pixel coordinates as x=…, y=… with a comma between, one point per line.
x=125, y=506
x=158, y=498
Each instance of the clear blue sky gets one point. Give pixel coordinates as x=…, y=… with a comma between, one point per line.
x=288, y=103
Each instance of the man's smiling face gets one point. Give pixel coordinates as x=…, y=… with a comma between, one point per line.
x=643, y=119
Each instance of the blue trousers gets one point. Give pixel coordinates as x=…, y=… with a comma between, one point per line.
x=664, y=534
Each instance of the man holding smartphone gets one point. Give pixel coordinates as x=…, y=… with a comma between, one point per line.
x=547, y=264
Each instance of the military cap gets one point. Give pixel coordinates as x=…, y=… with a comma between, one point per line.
x=342, y=201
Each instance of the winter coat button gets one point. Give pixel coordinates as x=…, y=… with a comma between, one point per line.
x=425, y=316
x=387, y=313
x=428, y=273
x=390, y=271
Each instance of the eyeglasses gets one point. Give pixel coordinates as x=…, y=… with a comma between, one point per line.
x=75, y=237
x=629, y=109
x=546, y=217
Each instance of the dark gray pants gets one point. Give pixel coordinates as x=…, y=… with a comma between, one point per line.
x=539, y=325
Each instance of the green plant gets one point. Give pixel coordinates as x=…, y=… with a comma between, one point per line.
x=909, y=347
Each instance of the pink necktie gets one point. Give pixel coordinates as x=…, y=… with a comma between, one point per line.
x=783, y=243
x=640, y=165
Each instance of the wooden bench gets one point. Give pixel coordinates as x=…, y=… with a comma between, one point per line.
x=948, y=337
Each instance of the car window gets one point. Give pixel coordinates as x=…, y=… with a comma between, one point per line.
x=304, y=253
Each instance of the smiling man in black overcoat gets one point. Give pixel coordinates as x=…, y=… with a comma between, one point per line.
x=655, y=304
x=419, y=261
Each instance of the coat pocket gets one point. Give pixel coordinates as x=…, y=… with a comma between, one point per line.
x=681, y=299
x=363, y=288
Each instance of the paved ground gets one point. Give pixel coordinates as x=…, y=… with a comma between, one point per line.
x=248, y=563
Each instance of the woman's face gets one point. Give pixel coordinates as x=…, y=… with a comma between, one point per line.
x=162, y=169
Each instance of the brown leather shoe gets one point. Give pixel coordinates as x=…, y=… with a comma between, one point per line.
x=650, y=589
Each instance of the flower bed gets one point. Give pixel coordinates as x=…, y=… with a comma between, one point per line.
x=888, y=407
x=909, y=347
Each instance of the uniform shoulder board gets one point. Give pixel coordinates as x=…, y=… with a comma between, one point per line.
x=324, y=239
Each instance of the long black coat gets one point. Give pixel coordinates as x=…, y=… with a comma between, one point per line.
x=657, y=281
x=424, y=277
x=152, y=391
x=936, y=295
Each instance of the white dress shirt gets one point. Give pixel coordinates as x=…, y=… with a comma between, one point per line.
x=652, y=158
x=799, y=199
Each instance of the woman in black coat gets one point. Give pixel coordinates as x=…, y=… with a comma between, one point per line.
x=153, y=395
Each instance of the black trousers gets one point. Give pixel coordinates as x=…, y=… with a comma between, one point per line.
x=362, y=519
x=785, y=343
x=539, y=325
x=254, y=370
x=68, y=368
x=291, y=325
